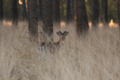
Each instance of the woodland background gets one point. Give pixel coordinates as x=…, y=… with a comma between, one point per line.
x=112, y=10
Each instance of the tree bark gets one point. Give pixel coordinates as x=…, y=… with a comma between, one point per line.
x=1, y=11
x=119, y=12
x=33, y=19
x=105, y=11
x=119, y=18
x=95, y=12
x=82, y=21
x=24, y=10
x=75, y=19
x=40, y=10
x=14, y=12
x=69, y=11
x=47, y=15
x=56, y=12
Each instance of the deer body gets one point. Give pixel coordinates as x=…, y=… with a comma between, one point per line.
x=52, y=46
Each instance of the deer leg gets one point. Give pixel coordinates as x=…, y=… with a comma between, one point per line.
x=42, y=50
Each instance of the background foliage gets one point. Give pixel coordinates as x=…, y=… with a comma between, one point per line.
x=112, y=9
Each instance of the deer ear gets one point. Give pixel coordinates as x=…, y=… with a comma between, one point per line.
x=59, y=33
x=66, y=33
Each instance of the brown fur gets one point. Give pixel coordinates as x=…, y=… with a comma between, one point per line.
x=52, y=46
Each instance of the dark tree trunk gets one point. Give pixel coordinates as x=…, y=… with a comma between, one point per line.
x=33, y=18
x=119, y=12
x=40, y=10
x=47, y=15
x=69, y=11
x=82, y=21
x=119, y=18
x=24, y=10
x=14, y=12
x=56, y=12
x=105, y=11
x=1, y=11
x=95, y=12
x=75, y=19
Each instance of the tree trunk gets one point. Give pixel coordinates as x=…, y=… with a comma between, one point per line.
x=56, y=12
x=24, y=10
x=33, y=19
x=1, y=11
x=75, y=19
x=119, y=18
x=40, y=10
x=69, y=11
x=119, y=12
x=95, y=12
x=47, y=15
x=14, y=12
x=105, y=11
x=82, y=21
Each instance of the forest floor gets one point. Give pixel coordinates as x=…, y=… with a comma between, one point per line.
x=94, y=57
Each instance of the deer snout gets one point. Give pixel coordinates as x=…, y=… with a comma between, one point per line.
x=63, y=38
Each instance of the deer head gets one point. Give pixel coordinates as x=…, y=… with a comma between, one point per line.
x=62, y=36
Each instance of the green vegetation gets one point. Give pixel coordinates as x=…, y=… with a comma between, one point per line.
x=112, y=10
x=62, y=9
x=7, y=9
x=89, y=9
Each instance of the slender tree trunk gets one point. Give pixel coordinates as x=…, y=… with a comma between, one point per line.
x=40, y=10
x=14, y=12
x=33, y=19
x=119, y=12
x=56, y=12
x=95, y=12
x=47, y=15
x=24, y=10
x=1, y=11
x=75, y=19
x=119, y=18
x=82, y=21
x=105, y=11
x=72, y=9
x=69, y=11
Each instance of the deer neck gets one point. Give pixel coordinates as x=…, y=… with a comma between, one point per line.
x=61, y=41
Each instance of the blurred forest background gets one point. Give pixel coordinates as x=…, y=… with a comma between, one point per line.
x=55, y=13
x=112, y=10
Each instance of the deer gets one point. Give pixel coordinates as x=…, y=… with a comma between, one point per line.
x=52, y=46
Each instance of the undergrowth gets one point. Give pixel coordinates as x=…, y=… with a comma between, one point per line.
x=94, y=57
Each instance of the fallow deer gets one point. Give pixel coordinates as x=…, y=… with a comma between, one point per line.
x=52, y=46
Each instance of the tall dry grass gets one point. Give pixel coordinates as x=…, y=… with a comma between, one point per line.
x=95, y=57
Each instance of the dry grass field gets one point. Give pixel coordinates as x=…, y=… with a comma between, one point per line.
x=94, y=57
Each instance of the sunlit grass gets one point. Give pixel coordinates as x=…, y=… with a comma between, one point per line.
x=95, y=57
